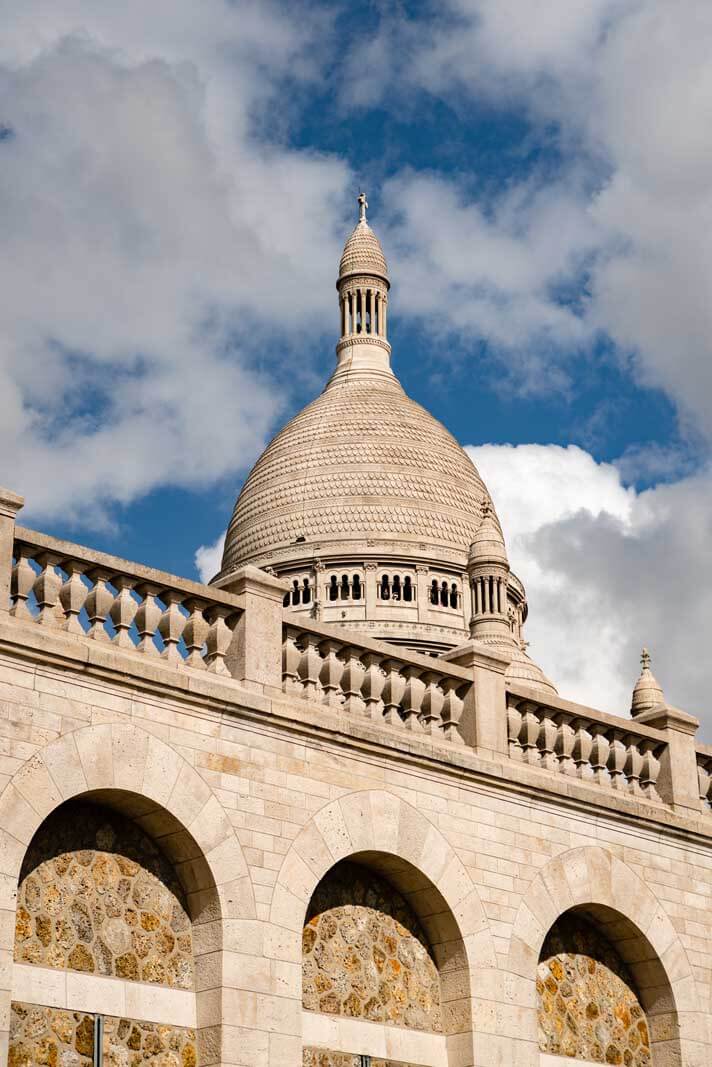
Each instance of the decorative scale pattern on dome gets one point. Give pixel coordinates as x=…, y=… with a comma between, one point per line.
x=363, y=460
x=363, y=254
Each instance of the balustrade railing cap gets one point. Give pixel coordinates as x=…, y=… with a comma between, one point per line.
x=116, y=566
x=10, y=503
x=477, y=654
x=251, y=579
x=547, y=701
x=665, y=717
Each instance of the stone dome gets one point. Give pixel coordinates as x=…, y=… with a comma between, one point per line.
x=362, y=254
x=369, y=508
x=363, y=462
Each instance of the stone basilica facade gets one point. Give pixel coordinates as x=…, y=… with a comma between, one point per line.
x=326, y=811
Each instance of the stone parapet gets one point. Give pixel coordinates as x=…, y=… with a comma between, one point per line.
x=121, y=613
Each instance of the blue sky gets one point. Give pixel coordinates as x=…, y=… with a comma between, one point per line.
x=175, y=187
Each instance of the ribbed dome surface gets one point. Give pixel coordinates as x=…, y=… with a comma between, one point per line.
x=361, y=461
x=363, y=254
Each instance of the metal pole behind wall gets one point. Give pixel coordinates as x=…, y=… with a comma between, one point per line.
x=98, y=1040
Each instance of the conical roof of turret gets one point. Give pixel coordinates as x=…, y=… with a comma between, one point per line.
x=487, y=545
x=362, y=252
x=647, y=692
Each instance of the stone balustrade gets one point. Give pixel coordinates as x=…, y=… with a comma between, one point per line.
x=403, y=689
x=91, y=596
x=704, y=774
x=62, y=586
x=592, y=746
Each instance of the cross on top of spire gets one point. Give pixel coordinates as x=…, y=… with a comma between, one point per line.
x=362, y=207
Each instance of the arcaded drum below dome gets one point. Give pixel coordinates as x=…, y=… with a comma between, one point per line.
x=363, y=462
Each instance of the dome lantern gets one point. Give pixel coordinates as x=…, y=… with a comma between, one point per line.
x=363, y=285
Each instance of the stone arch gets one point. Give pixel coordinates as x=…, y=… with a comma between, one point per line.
x=379, y=830
x=137, y=774
x=593, y=883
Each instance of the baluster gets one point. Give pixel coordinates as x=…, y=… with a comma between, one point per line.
x=148, y=617
x=46, y=588
x=331, y=673
x=617, y=756
x=529, y=734
x=352, y=680
x=309, y=665
x=599, y=754
x=221, y=621
x=583, y=743
x=514, y=728
x=373, y=685
x=21, y=582
x=453, y=706
x=73, y=594
x=171, y=626
x=633, y=766
x=565, y=740
x=195, y=632
x=412, y=697
x=547, y=741
x=431, y=707
x=393, y=691
x=123, y=611
x=650, y=771
x=98, y=604
x=290, y=661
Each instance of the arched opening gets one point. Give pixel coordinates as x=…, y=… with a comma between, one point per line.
x=381, y=947
x=602, y=993
x=111, y=891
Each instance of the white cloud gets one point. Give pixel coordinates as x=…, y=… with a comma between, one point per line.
x=151, y=238
x=607, y=570
x=624, y=89
x=208, y=559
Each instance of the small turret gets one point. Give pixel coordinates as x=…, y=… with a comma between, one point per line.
x=647, y=692
x=488, y=571
x=363, y=286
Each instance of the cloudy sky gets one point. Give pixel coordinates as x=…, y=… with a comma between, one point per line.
x=176, y=180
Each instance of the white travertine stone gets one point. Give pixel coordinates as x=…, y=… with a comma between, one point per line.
x=10, y=504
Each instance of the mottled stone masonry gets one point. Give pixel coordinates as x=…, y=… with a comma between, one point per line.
x=96, y=895
x=365, y=954
x=51, y=1037
x=317, y=1057
x=588, y=1007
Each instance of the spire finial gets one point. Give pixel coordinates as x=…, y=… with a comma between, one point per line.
x=645, y=659
x=486, y=507
x=362, y=207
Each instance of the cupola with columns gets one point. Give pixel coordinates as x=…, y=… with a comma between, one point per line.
x=363, y=286
x=369, y=506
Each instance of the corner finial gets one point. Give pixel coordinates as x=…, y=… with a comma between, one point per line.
x=362, y=207
x=486, y=507
x=647, y=692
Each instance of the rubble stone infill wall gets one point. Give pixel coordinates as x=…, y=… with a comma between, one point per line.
x=96, y=895
x=52, y=1037
x=365, y=954
x=588, y=1007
